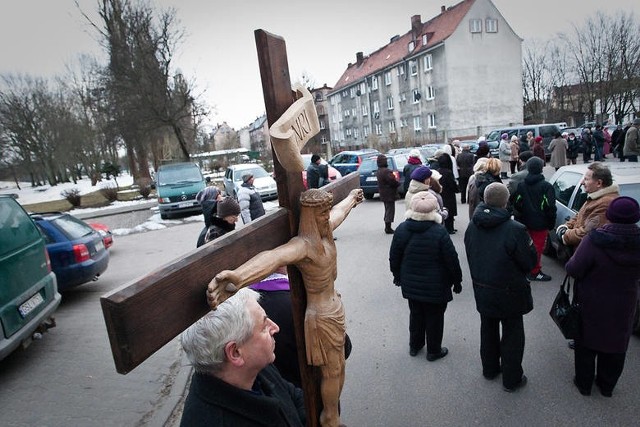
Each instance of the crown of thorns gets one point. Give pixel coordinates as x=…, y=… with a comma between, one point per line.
x=315, y=198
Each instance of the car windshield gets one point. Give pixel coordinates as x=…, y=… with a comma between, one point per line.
x=494, y=136
x=16, y=229
x=174, y=176
x=631, y=190
x=257, y=172
x=72, y=227
x=368, y=165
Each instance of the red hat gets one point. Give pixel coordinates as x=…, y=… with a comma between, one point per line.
x=538, y=139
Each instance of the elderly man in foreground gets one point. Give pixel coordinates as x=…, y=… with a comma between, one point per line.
x=235, y=384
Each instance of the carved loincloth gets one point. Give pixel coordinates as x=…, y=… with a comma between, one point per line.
x=324, y=331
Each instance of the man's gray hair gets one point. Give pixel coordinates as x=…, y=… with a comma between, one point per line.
x=601, y=171
x=204, y=341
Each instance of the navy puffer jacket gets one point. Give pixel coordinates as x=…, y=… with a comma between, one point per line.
x=424, y=261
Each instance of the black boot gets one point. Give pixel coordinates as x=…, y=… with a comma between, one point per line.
x=387, y=228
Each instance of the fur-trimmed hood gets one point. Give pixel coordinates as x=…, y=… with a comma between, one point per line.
x=418, y=216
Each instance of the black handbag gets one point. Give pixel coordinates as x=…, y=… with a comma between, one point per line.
x=564, y=312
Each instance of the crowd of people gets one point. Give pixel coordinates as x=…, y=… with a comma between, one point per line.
x=511, y=211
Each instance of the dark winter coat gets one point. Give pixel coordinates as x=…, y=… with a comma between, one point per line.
x=212, y=402
x=317, y=175
x=387, y=182
x=573, y=148
x=218, y=227
x=465, y=162
x=412, y=164
x=606, y=268
x=534, y=203
x=449, y=185
x=500, y=254
x=424, y=261
x=484, y=179
x=209, y=212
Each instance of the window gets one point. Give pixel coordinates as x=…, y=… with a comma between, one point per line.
x=356, y=133
x=353, y=111
x=348, y=132
x=365, y=131
x=412, y=45
x=322, y=124
x=345, y=93
x=392, y=126
x=363, y=87
x=374, y=83
x=390, y=103
x=416, y=123
x=430, y=93
x=416, y=96
x=378, y=128
x=365, y=110
x=427, y=62
x=432, y=120
x=425, y=39
x=347, y=112
x=376, y=107
x=403, y=97
x=401, y=70
x=491, y=25
x=413, y=66
x=352, y=92
x=404, y=123
x=387, y=78
x=475, y=25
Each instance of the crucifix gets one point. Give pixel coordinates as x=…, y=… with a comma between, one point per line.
x=144, y=315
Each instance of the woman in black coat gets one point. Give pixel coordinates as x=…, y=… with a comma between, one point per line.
x=606, y=268
x=449, y=190
x=424, y=263
x=388, y=190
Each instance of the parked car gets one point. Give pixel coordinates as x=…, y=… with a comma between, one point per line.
x=369, y=167
x=77, y=251
x=107, y=236
x=177, y=185
x=546, y=131
x=349, y=161
x=334, y=173
x=262, y=181
x=570, y=196
x=28, y=287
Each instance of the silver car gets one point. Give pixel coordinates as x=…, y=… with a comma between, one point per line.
x=263, y=182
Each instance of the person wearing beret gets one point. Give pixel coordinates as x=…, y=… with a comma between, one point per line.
x=606, y=269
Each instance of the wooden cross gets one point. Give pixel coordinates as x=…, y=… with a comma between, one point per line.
x=144, y=315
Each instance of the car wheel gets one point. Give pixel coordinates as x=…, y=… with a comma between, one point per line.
x=164, y=216
x=368, y=196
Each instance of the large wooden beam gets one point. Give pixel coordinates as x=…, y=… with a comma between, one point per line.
x=145, y=314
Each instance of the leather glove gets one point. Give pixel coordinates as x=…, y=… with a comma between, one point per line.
x=562, y=228
x=457, y=288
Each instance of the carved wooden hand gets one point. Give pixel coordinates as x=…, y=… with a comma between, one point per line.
x=221, y=288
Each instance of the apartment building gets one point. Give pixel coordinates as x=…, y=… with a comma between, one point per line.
x=454, y=76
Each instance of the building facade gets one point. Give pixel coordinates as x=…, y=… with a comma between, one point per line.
x=454, y=76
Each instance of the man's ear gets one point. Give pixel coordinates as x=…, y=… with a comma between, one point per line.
x=233, y=354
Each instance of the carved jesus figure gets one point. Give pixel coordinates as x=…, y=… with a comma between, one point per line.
x=313, y=252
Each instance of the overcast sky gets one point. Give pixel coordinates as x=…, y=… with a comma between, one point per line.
x=322, y=37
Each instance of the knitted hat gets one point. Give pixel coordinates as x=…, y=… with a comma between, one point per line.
x=514, y=137
x=209, y=193
x=496, y=195
x=315, y=158
x=414, y=153
x=538, y=139
x=247, y=177
x=228, y=206
x=424, y=207
x=421, y=173
x=623, y=210
x=534, y=165
x=504, y=136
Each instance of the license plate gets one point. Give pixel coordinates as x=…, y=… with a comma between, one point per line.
x=99, y=245
x=372, y=178
x=28, y=306
x=184, y=205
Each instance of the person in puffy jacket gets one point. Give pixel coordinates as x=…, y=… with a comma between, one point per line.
x=251, y=206
x=424, y=263
x=500, y=254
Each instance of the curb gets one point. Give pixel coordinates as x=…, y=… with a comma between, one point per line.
x=116, y=210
